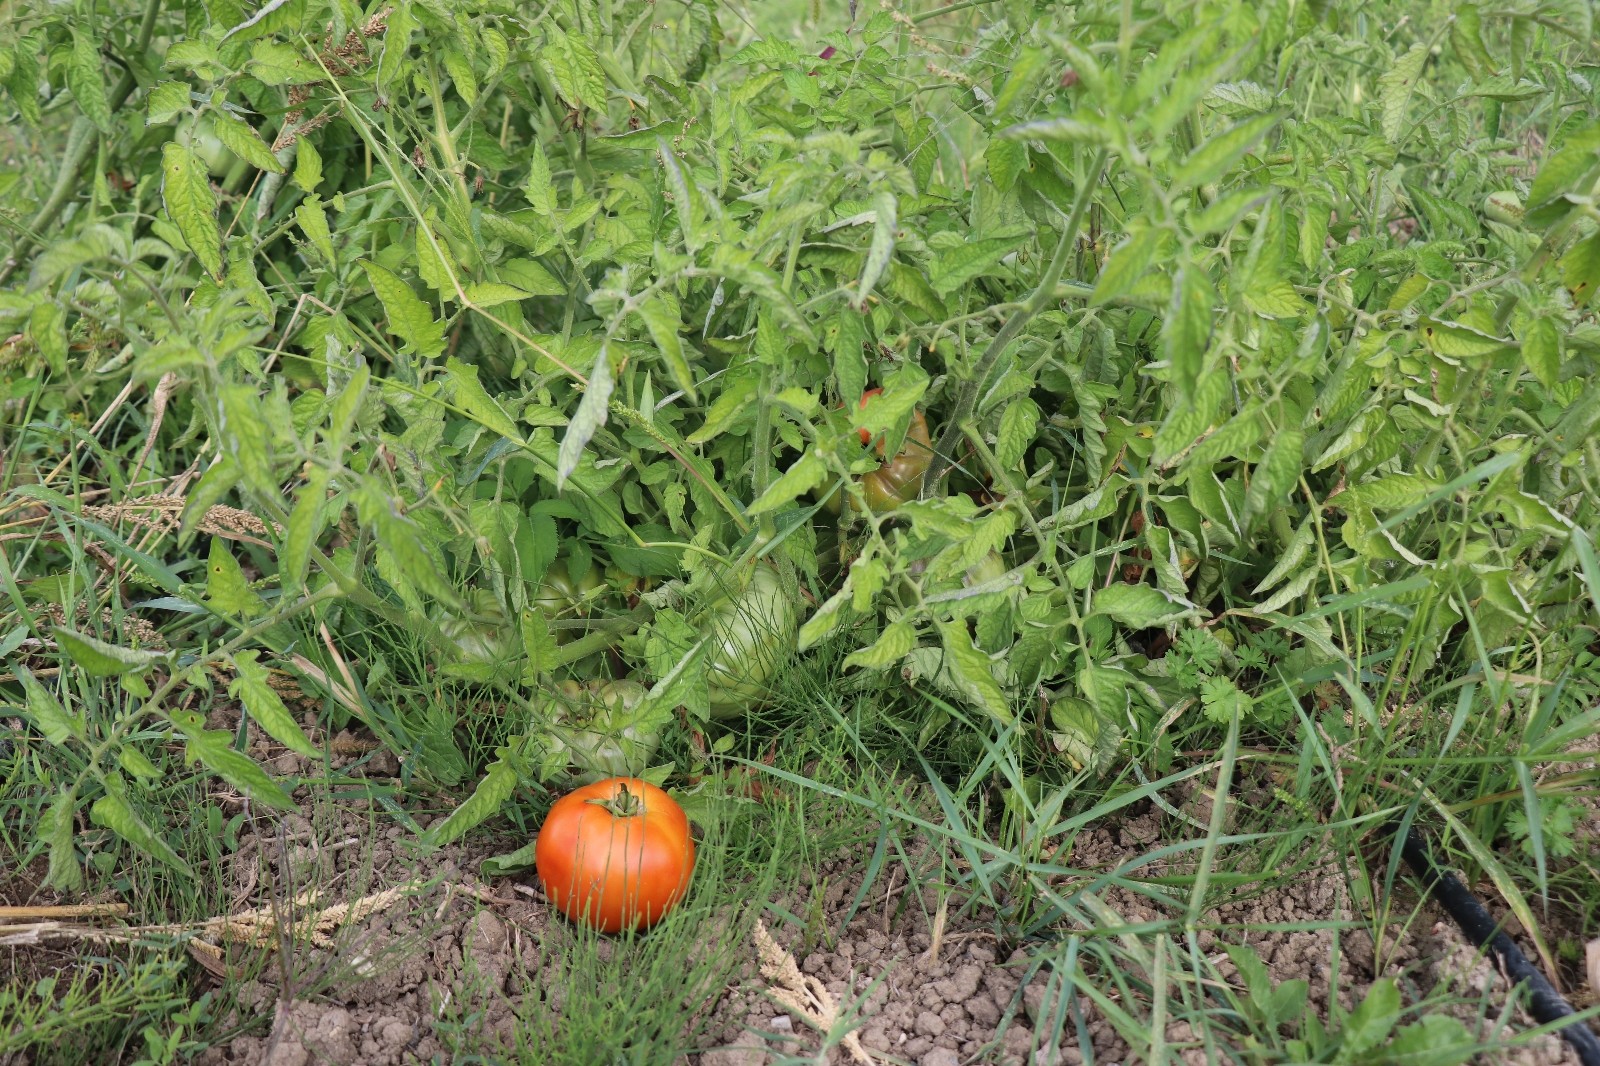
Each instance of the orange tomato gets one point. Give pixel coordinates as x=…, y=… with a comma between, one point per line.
x=866, y=437
x=615, y=854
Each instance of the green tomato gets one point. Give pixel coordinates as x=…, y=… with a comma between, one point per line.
x=988, y=568
x=482, y=644
x=914, y=583
x=203, y=141
x=486, y=636
x=596, y=730
x=833, y=502
x=559, y=596
x=753, y=629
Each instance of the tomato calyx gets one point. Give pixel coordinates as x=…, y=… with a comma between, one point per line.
x=622, y=805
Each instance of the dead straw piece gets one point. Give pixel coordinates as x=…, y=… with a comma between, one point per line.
x=807, y=998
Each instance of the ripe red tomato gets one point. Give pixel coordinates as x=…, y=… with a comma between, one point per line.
x=615, y=854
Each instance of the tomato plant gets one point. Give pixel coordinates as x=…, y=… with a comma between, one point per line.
x=507, y=394
x=615, y=855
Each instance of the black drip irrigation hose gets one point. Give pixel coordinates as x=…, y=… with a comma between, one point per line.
x=1544, y=1002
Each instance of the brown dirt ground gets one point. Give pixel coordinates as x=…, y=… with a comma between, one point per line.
x=373, y=995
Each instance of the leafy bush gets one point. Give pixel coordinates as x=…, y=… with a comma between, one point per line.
x=493, y=346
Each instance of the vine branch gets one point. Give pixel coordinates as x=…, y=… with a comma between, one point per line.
x=1042, y=296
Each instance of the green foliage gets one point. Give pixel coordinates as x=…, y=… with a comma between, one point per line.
x=523, y=338
x=79, y=1017
x=1282, y=1031
x=1557, y=818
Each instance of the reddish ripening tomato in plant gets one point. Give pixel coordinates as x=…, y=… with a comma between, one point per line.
x=866, y=435
x=897, y=481
x=615, y=854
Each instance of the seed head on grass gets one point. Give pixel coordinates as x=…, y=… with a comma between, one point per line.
x=163, y=513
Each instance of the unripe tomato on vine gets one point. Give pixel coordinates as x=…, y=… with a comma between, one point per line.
x=752, y=625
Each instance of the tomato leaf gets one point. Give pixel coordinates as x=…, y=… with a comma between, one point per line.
x=314, y=224
x=973, y=672
x=511, y=862
x=307, y=166
x=57, y=831
x=86, y=80
x=436, y=263
x=272, y=63
x=1140, y=606
x=884, y=213
x=471, y=397
x=1211, y=160
x=243, y=141
x=1569, y=169
x=1129, y=260
x=1459, y=340
x=265, y=705
x=957, y=266
x=51, y=719
x=891, y=646
x=1186, y=328
x=165, y=101
x=99, y=659
x=1397, y=84
x=499, y=781
x=227, y=589
x=213, y=749
x=1541, y=351
x=664, y=321
x=247, y=437
x=401, y=536
x=1580, y=270
x=192, y=206
x=574, y=68
x=589, y=418
x=305, y=525
x=1018, y=424
x=805, y=474
x=409, y=317
x=1278, y=472
x=113, y=812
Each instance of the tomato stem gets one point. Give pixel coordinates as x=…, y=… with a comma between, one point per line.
x=624, y=804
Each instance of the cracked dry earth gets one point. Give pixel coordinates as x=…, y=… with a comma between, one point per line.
x=923, y=988
x=960, y=1001
x=962, y=1004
